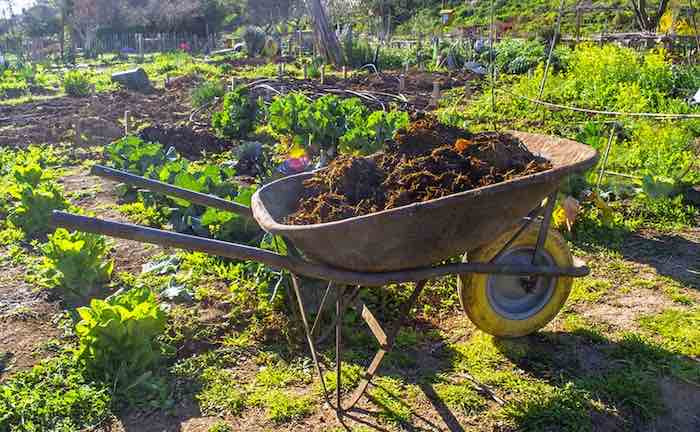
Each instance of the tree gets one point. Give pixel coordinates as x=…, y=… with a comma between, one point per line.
x=42, y=19
x=325, y=36
x=646, y=22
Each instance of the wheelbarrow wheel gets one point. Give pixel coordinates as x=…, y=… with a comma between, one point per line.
x=513, y=306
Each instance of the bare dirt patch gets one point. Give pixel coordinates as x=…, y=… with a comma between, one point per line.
x=96, y=195
x=682, y=401
x=676, y=255
x=21, y=335
x=96, y=118
x=622, y=312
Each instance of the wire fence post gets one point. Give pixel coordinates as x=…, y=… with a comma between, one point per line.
x=551, y=52
x=604, y=162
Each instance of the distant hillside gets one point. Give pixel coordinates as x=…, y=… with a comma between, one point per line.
x=521, y=16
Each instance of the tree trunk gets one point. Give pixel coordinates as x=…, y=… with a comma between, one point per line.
x=325, y=36
x=644, y=21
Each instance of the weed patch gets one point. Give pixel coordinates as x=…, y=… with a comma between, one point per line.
x=53, y=396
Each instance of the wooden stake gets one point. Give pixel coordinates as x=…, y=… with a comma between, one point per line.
x=306, y=71
x=323, y=74
x=435, y=98
x=345, y=73
x=126, y=123
x=402, y=83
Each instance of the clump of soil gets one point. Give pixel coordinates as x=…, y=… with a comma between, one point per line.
x=427, y=160
x=188, y=142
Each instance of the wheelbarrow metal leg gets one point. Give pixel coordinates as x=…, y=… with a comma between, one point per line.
x=386, y=348
x=320, y=308
x=338, y=349
x=309, y=336
x=544, y=229
x=385, y=340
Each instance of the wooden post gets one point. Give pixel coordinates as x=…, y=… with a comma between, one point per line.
x=301, y=44
x=345, y=72
x=126, y=123
x=435, y=97
x=402, y=83
x=578, y=23
x=139, y=38
x=306, y=71
x=280, y=71
x=323, y=74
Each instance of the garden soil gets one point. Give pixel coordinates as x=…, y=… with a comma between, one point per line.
x=427, y=160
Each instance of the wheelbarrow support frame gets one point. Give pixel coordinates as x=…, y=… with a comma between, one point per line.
x=338, y=279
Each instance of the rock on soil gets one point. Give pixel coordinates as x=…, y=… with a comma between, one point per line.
x=135, y=79
x=426, y=161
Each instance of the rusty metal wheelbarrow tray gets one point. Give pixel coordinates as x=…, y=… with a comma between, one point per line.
x=426, y=233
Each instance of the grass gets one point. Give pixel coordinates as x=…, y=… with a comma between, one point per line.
x=462, y=397
x=53, y=396
x=281, y=375
x=564, y=408
x=392, y=397
x=679, y=330
x=588, y=290
x=219, y=394
x=282, y=406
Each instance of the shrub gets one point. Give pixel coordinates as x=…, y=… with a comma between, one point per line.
x=254, y=38
x=118, y=338
x=76, y=84
x=517, y=56
x=207, y=92
x=237, y=116
x=75, y=263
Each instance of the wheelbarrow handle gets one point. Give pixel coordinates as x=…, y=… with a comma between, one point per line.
x=294, y=264
x=174, y=191
x=167, y=238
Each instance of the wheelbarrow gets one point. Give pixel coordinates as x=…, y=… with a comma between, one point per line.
x=514, y=277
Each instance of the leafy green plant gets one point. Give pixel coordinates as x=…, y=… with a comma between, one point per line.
x=368, y=136
x=283, y=116
x=330, y=123
x=118, y=338
x=149, y=159
x=53, y=396
x=75, y=263
x=76, y=84
x=137, y=156
x=33, y=211
x=237, y=116
x=324, y=122
x=516, y=56
x=207, y=92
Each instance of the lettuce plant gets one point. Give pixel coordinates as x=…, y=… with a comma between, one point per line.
x=75, y=263
x=32, y=213
x=118, y=338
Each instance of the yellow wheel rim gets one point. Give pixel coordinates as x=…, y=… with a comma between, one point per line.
x=512, y=306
